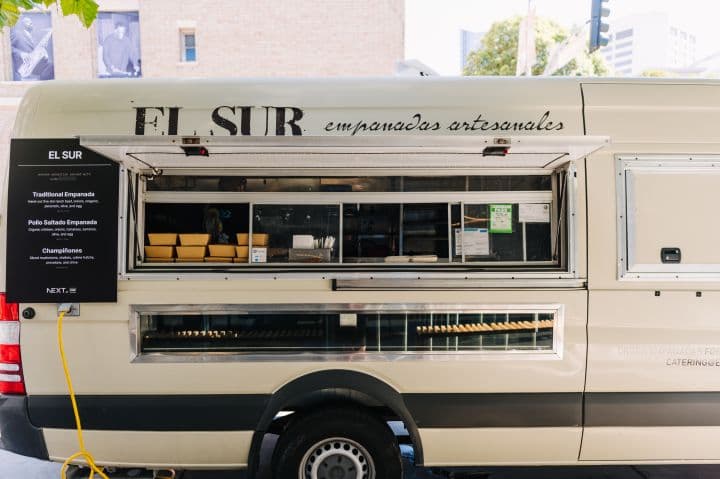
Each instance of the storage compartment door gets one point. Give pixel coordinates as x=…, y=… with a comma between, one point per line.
x=670, y=218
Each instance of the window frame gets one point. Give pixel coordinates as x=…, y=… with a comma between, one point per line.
x=625, y=222
x=137, y=356
x=185, y=32
x=562, y=271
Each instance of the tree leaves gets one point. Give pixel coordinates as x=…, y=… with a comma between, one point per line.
x=497, y=54
x=85, y=10
x=9, y=12
x=26, y=4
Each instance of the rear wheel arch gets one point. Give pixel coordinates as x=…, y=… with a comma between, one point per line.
x=333, y=386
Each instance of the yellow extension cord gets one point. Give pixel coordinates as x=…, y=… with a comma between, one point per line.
x=82, y=453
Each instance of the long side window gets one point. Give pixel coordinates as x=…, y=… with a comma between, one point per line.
x=267, y=331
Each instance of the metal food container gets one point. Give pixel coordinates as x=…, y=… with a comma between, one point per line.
x=319, y=255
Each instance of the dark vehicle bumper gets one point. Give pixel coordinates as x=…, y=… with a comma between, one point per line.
x=17, y=434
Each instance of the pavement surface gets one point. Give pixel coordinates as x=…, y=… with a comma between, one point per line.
x=17, y=467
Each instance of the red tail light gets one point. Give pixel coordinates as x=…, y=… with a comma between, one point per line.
x=11, y=376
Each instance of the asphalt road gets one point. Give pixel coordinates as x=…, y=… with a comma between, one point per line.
x=18, y=467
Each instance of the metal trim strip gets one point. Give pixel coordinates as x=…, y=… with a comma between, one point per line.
x=429, y=410
x=652, y=409
x=495, y=410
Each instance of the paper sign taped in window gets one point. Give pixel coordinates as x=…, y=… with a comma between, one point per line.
x=475, y=241
x=501, y=218
x=348, y=320
x=534, y=213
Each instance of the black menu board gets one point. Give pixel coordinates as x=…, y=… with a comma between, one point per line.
x=62, y=225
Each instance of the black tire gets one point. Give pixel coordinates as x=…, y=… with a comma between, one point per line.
x=352, y=424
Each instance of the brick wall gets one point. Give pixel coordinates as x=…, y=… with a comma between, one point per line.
x=286, y=38
x=242, y=38
x=235, y=38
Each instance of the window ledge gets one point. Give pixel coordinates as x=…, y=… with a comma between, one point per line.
x=188, y=64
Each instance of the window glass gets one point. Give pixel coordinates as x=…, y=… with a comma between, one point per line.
x=425, y=232
x=221, y=221
x=510, y=183
x=624, y=34
x=305, y=184
x=538, y=242
x=298, y=233
x=356, y=184
x=434, y=183
x=189, y=49
x=196, y=233
x=377, y=332
x=371, y=232
x=360, y=230
x=486, y=239
x=118, y=37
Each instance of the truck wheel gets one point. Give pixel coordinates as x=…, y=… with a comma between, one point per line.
x=337, y=444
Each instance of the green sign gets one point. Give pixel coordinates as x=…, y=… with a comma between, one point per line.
x=501, y=219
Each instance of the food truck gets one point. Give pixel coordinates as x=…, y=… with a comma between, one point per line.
x=522, y=271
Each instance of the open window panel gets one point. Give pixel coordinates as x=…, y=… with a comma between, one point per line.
x=354, y=211
x=343, y=222
x=359, y=329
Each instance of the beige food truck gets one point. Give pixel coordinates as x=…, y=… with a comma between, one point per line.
x=520, y=271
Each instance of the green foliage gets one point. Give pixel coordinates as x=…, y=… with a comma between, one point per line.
x=85, y=10
x=9, y=13
x=498, y=53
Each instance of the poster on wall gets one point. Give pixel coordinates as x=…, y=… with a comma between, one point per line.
x=62, y=223
x=118, y=37
x=32, y=49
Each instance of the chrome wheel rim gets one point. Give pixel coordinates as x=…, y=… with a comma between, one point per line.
x=336, y=458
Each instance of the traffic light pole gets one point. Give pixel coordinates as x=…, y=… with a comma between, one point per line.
x=598, y=13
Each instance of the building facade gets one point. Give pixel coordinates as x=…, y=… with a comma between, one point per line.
x=639, y=43
x=204, y=38
x=220, y=38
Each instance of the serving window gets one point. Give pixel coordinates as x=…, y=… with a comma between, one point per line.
x=230, y=221
x=357, y=329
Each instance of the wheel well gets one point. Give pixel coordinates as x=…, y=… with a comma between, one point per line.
x=332, y=387
x=326, y=398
